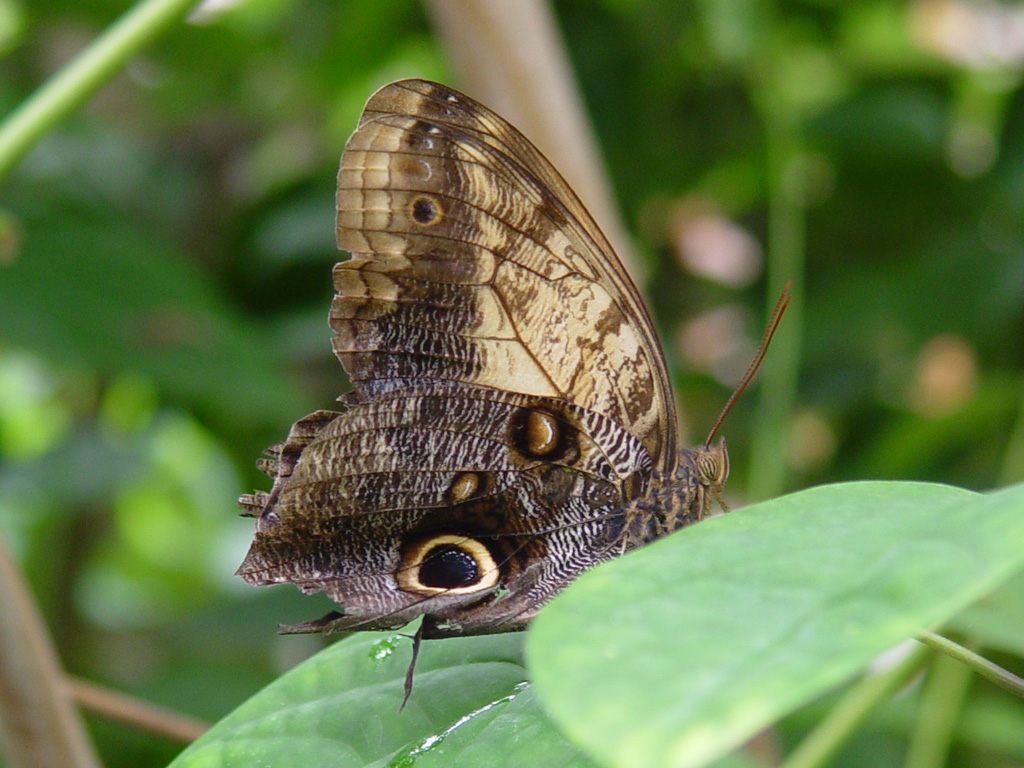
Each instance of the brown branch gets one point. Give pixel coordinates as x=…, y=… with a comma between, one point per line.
x=135, y=712
x=39, y=725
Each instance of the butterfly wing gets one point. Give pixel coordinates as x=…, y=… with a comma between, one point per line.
x=509, y=394
x=453, y=206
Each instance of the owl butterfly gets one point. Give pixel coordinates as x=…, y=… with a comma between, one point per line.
x=511, y=422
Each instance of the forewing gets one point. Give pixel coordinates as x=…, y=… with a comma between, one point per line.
x=473, y=261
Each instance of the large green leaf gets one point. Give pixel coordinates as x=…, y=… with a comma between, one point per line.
x=676, y=654
x=470, y=706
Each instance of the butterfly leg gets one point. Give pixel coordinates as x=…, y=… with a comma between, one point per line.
x=416, y=640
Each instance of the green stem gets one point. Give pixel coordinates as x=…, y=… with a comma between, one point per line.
x=786, y=246
x=993, y=672
x=853, y=708
x=63, y=93
x=940, y=706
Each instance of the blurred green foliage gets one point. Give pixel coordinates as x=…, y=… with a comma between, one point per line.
x=165, y=277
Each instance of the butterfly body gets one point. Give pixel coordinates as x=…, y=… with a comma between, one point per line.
x=511, y=422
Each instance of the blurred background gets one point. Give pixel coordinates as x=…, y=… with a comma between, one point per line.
x=166, y=254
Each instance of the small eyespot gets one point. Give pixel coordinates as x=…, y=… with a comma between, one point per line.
x=464, y=487
x=449, y=564
x=541, y=433
x=425, y=211
x=417, y=136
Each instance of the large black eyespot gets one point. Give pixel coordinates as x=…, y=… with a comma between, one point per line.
x=447, y=563
x=448, y=567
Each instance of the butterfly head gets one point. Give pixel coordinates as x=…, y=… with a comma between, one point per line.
x=712, y=463
x=711, y=470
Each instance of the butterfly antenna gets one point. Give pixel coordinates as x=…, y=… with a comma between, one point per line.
x=773, y=323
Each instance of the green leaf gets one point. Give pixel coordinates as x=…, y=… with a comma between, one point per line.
x=470, y=706
x=676, y=654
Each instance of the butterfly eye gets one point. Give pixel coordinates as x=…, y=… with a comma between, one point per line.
x=707, y=466
x=713, y=465
x=450, y=564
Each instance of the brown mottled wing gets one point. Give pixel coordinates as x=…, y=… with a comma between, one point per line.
x=510, y=398
x=474, y=261
x=354, y=491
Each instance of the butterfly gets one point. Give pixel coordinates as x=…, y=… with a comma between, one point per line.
x=511, y=421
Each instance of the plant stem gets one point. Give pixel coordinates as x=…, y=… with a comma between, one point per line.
x=63, y=93
x=853, y=708
x=785, y=261
x=993, y=672
x=937, y=714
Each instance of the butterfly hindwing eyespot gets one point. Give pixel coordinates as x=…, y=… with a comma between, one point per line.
x=540, y=434
x=447, y=563
x=465, y=486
